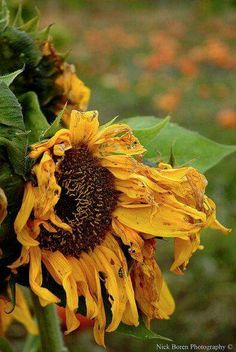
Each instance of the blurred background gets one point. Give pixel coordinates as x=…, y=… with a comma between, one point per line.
x=146, y=57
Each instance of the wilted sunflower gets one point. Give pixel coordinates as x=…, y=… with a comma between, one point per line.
x=91, y=214
x=20, y=313
x=70, y=89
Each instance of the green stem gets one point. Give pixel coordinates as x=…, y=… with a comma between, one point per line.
x=32, y=343
x=49, y=327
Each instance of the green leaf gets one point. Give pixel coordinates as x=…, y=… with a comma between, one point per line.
x=11, y=183
x=13, y=137
x=5, y=345
x=18, y=44
x=4, y=15
x=149, y=133
x=55, y=126
x=188, y=147
x=140, y=332
x=9, y=78
x=10, y=109
x=34, y=119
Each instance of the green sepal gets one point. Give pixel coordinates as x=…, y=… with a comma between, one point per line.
x=188, y=147
x=34, y=120
x=9, y=78
x=43, y=34
x=4, y=15
x=18, y=20
x=29, y=26
x=12, y=286
x=55, y=126
x=172, y=161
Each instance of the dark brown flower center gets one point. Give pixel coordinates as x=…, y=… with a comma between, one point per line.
x=86, y=203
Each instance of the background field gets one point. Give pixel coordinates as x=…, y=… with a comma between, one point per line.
x=158, y=58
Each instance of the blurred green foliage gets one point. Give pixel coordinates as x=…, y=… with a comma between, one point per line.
x=116, y=46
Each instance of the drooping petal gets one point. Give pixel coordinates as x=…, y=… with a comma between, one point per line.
x=22, y=314
x=158, y=221
x=47, y=193
x=115, y=293
x=130, y=238
x=26, y=208
x=151, y=292
x=61, y=270
x=92, y=276
x=3, y=205
x=184, y=249
x=124, y=279
x=83, y=288
x=36, y=279
x=63, y=137
x=23, y=259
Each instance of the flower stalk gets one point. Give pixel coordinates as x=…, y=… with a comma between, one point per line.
x=49, y=327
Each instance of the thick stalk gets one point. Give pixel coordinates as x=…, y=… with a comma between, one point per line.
x=49, y=327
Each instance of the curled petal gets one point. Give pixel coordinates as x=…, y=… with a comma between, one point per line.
x=3, y=205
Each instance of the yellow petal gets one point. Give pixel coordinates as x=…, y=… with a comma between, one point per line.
x=35, y=278
x=63, y=137
x=115, y=292
x=72, y=322
x=130, y=238
x=22, y=314
x=61, y=270
x=26, y=208
x=3, y=205
x=161, y=221
x=166, y=304
x=91, y=273
x=184, y=249
x=120, y=267
x=74, y=89
x=83, y=288
x=151, y=292
x=23, y=259
x=83, y=126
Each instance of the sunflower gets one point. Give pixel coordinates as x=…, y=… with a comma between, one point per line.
x=91, y=214
x=20, y=313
